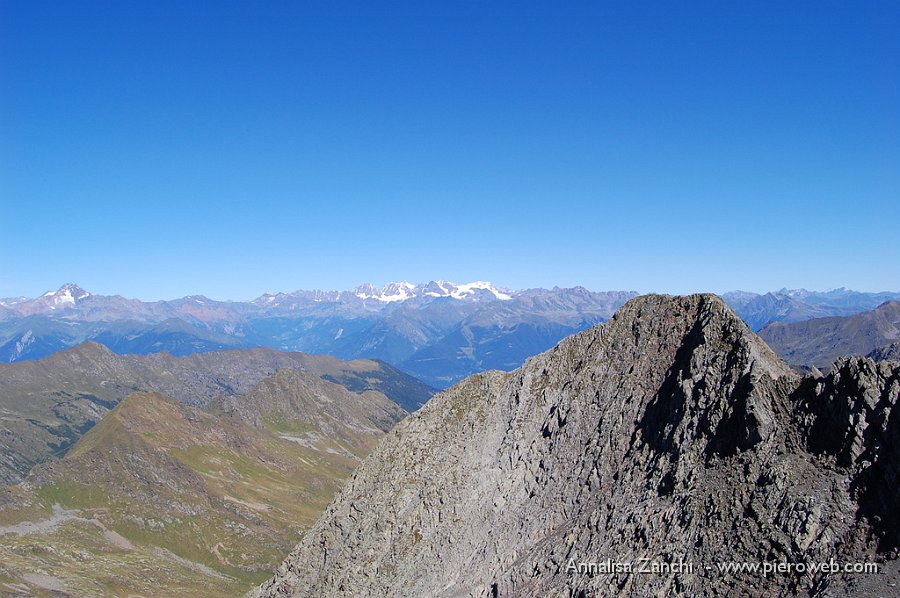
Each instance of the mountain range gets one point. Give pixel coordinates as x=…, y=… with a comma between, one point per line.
x=439, y=332
x=160, y=498
x=797, y=305
x=665, y=452
x=820, y=341
x=48, y=404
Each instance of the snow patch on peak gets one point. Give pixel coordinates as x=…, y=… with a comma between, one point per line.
x=402, y=291
x=67, y=294
x=394, y=291
x=64, y=297
x=438, y=288
x=800, y=293
x=366, y=291
x=397, y=291
x=463, y=290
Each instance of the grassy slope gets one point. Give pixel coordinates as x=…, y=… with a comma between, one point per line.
x=167, y=500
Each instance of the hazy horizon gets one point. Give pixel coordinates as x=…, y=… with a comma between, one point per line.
x=381, y=285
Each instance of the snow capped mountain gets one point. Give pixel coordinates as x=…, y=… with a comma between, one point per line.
x=402, y=291
x=295, y=299
x=804, y=294
x=9, y=301
x=68, y=295
x=424, y=327
x=465, y=290
x=71, y=295
x=391, y=292
x=397, y=291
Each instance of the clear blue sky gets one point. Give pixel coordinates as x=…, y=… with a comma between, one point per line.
x=159, y=149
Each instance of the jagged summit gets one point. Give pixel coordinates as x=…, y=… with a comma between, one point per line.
x=391, y=292
x=670, y=432
x=69, y=288
x=67, y=294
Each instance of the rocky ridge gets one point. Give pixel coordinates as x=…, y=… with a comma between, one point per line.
x=670, y=433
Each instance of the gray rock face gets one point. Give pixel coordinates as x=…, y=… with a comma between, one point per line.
x=891, y=351
x=671, y=433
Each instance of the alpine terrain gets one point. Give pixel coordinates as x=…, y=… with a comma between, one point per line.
x=798, y=305
x=162, y=497
x=47, y=405
x=439, y=332
x=818, y=342
x=670, y=436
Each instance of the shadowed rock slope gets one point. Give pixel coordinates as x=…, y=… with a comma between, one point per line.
x=670, y=433
x=891, y=351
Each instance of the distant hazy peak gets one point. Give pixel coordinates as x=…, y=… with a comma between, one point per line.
x=401, y=291
x=393, y=291
x=68, y=293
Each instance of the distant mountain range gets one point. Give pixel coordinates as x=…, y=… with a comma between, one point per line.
x=439, y=332
x=820, y=341
x=797, y=305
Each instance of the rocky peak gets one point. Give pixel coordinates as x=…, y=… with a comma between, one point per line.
x=366, y=290
x=671, y=432
x=69, y=294
x=73, y=289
